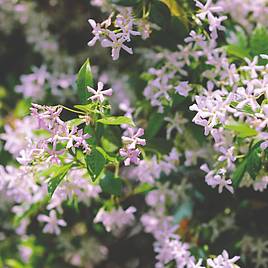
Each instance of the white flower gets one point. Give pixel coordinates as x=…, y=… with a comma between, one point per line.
x=96, y=30
x=252, y=67
x=206, y=9
x=52, y=221
x=115, y=219
x=223, y=261
x=99, y=93
x=116, y=44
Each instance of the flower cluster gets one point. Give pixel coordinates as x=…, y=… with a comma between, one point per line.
x=123, y=24
x=199, y=103
x=36, y=84
x=130, y=152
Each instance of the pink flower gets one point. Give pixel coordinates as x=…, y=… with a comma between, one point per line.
x=261, y=185
x=116, y=45
x=132, y=141
x=183, y=88
x=99, y=93
x=53, y=223
x=116, y=219
x=96, y=31
x=130, y=155
x=252, y=67
x=206, y=9
x=223, y=261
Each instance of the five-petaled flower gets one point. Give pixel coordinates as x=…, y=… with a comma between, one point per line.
x=98, y=95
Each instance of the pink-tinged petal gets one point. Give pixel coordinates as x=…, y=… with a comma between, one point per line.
x=106, y=43
x=265, y=109
x=91, y=90
x=100, y=86
x=69, y=144
x=92, y=23
x=62, y=222
x=107, y=92
x=95, y=97
x=127, y=139
x=48, y=229
x=43, y=218
x=140, y=132
x=93, y=41
x=101, y=98
x=127, y=162
x=127, y=49
x=115, y=53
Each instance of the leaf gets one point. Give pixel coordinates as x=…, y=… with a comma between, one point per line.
x=111, y=185
x=75, y=122
x=254, y=162
x=51, y=170
x=87, y=108
x=239, y=173
x=160, y=14
x=95, y=163
x=246, y=109
x=108, y=145
x=12, y=263
x=106, y=155
x=84, y=79
x=116, y=120
x=237, y=51
x=90, y=130
x=176, y=10
x=242, y=130
x=155, y=123
x=241, y=39
x=251, y=164
x=22, y=108
x=143, y=188
x=259, y=41
x=57, y=179
x=32, y=210
x=126, y=2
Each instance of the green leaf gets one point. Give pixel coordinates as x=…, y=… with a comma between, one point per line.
x=22, y=108
x=239, y=173
x=75, y=122
x=32, y=210
x=116, y=120
x=241, y=38
x=51, y=170
x=246, y=109
x=155, y=123
x=254, y=162
x=242, y=130
x=84, y=79
x=143, y=188
x=126, y=2
x=251, y=164
x=95, y=163
x=57, y=178
x=87, y=108
x=111, y=185
x=108, y=145
x=106, y=155
x=237, y=51
x=160, y=14
x=259, y=41
x=12, y=263
x=176, y=10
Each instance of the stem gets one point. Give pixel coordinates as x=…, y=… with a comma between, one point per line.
x=116, y=172
x=71, y=110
